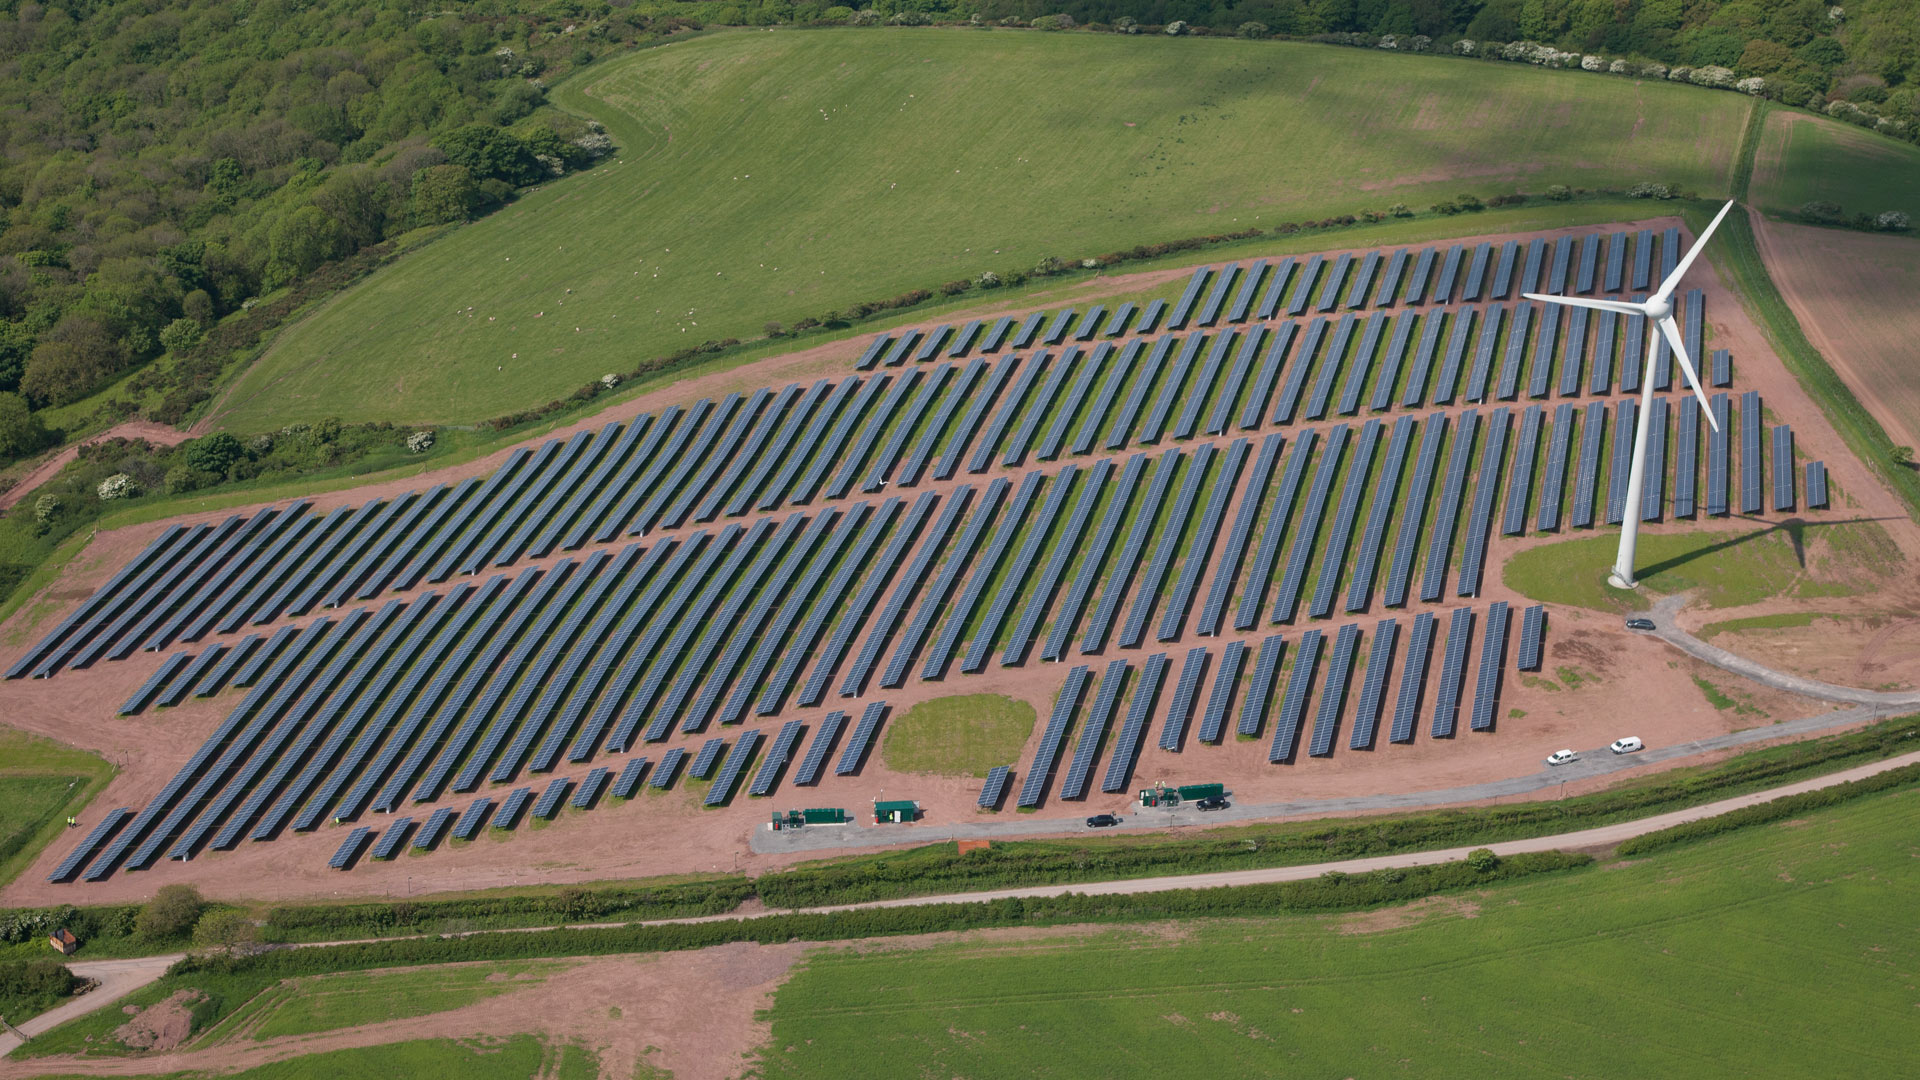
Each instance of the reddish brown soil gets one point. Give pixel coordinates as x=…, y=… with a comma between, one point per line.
x=662, y=833
x=159, y=1027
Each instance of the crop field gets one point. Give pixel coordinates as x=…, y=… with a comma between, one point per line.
x=1658, y=966
x=1803, y=158
x=768, y=177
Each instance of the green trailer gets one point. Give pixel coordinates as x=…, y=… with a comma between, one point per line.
x=796, y=819
x=1164, y=796
x=894, y=811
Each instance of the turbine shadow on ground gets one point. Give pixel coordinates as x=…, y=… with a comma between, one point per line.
x=1795, y=528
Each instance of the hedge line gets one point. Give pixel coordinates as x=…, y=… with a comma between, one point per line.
x=571, y=904
x=1329, y=892
x=1776, y=810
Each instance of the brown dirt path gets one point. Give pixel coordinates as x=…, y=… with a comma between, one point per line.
x=159, y=434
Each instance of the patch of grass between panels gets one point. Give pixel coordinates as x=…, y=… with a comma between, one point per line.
x=41, y=783
x=964, y=735
x=1708, y=924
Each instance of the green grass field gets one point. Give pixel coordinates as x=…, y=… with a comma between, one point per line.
x=773, y=176
x=958, y=736
x=1778, y=950
x=1801, y=158
x=511, y=1058
x=331, y=1002
x=41, y=783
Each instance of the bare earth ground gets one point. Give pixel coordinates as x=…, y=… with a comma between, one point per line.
x=1853, y=294
x=671, y=832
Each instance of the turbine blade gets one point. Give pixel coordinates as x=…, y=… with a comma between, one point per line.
x=1621, y=306
x=1672, y=331
x=1680, y=270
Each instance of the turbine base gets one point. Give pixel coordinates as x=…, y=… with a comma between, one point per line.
x=1615, y=579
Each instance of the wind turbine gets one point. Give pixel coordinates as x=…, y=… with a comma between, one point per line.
x=1657, y=309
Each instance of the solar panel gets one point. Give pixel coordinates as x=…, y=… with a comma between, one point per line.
x=512, y=807
x=1065, y=546
x=897, y=355
x=1183, y=308
x=1266, y=665
x=959, y=616
x=1303, y=285
x=1390, y=364
x=1449, y=272
x=1180, y=711
x=995, y=789
x=1330, y=289
x=1623, y=425
x=737, y=758
x=1816, y=485
x=1473, y=556
x=1653, y=488
x=170, y=667
x=1293, y=706
x=910, y=583
x=1669, y=251
x=1562, y=259
x=1121, y=432
x=350, y=848
x=1210, y=310
x=1080, y=768
x=825, y=443
x=627, y=784
x=941, y=590
x=96, y=839
x=1092, y=558
x=1373, y=685
x=1433, y=435
x=1270, y=300
x=823, y=739
x=861, y=739
x=1416, y=290
x=1389, y=285
x=40, y=660
x=877, y=576
x=1453, y=668
x=1122, y=316
x=997, y=334
x=1601, y=378
x=1503, y=273
x=872, y=354
x=1329, y=367
x=1150, y=318
x=1362, y=365
x=977, y=406
x=1751, y=427
x=393, y=839
x=1477, y=273
x=1170, y=392
x=885, y=419
x=1120, y=581
x=1413, y=677
x=1553, y=482
x=1335, y=558
x=1540, y=374
x=669, y=765
x=1717, y=457
x=1722, y=368
x=931, y=346
x=1590, y=245
x=1385, y=495
x=1235, y=552
x=1010, y=408
x=1096, y=414
x=707, y=759
x=1070, y=409
x=1782, y=467
x=1052, y=736
x=1525, y=454
x=908, y=425
x=1446, y=386
x=1126, y=749
x=1416, y=389
x=1493, y=649
x=1616, y=260
x=1200, y=549
x=1490, y=320
x=1254, y=596
x=216, y=677
x=1014, y=581
x=1574, y=359
x=1333, y=692
x=1533, y=630
x=472, y=818
x=1213, y=722
x=1592, y=429
x=1249, y=287
x=1643, y=259
x=773, y=640
x=1265, y=376
x=1201, y=390
x=548, y=804
x=1447, y=513
x=1633, y=352
x=1024, y=336
x=963, y=343
x=435, y=827
x=1363, y=280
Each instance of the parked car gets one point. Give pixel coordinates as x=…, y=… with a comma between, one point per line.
x=1639, y=624
x=1102, y=821
x=1628, y=745
x=1561, y=757
x=1214, y=803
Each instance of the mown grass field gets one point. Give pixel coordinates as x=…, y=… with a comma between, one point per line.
x=510, y=1058
x=965, y=735
x=770, y=176
x=1673, y=965
x=41, y=783
x=331, y=1002
x=1801, y=158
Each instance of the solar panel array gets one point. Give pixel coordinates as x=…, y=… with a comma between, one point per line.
x=1493, y=647
x=1293, y=705
x=995, y=789
x=1213, y=722
x=1751, y=426
x=1782, y=467
x=1453, y=670
x=1080, y=768
x=1047, y=754
x=1816, y=484
x=1173, y=729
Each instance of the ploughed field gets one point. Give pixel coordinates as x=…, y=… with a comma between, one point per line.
x=776, y=176
x=1266, y=502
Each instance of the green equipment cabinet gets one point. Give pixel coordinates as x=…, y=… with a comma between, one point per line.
x=795, y=819
x=1164, y=796
x=894, y=811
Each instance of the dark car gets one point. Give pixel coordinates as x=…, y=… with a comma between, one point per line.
x=1639, y=624
x=1214, y=803
x=1102, y=821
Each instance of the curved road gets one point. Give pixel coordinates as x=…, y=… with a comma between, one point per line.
x=122, y=977
x=1669, y=631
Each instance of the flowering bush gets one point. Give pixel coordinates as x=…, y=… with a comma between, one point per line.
x=988, y=280
x=1620, y=67
x=1176, y=27
x=1679, y=74
x=1755, y=86
x=1654, y=71
x=1388, y=41
x=1420, y=43
x=1712, y=75
x=1893, y=221
x=1647, y=190
x=911, y=18
x=1465, y=47
x=118, y=486
x=610, y=380
x=1254, y=30
x=419, y=442
x=45, y=507
x=864, y=17
x=1591, y=62
x=1053, y=22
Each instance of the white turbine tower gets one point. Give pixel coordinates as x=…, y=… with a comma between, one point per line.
x=1658, y=309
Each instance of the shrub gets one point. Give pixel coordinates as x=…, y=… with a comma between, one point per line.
x=1469, y=202
x=956, y=287
x=45, y=508
x=1820, y=210
x=1126, y=24
x=1448, y=208
x=1176, y=28
x=1253, y=30
x=1648, y=190
x=988, y=280
x=172, y=912
x=611, y=380
x=225, y=929
x=1053, y=22
x=1893, y=221
x=1400, y=209
x=118, y=486
x=22, y=432
x=1482, y=860
x=214, y=454
x=180, y=335
x=1559, y=192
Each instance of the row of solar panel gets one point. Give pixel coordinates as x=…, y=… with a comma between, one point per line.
x=1371, y=279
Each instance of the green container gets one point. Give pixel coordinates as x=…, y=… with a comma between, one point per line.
x=824, y=816
x=896, y=810
x=1202, y=791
